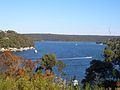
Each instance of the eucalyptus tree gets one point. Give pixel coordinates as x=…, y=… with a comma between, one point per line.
x=105, y=73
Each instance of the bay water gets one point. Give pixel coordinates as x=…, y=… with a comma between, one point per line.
x=76, y=55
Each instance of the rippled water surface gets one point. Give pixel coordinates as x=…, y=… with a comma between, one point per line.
x=76, y=55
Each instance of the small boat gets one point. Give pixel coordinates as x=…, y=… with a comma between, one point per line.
x=76, y=44
x=36, y=51
x=101, y=44
x=88, y=57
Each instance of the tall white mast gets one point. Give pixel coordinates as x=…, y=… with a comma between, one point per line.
x=109, y=29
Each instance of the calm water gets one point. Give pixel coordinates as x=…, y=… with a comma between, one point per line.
x=76, y=55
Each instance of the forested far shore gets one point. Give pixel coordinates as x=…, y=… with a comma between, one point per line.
x=60, y=37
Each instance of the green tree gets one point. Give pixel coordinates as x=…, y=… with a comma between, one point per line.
x=60, y=66
x=108, y=55
x=48, y=61
x=107, y=72
x=98, y=72
x=2, y=34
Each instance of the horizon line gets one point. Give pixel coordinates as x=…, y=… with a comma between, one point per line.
x=73, y=34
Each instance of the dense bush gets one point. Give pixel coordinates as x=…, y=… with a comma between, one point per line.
x=16, y=73
x=105, y=73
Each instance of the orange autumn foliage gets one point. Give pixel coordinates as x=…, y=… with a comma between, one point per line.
x=29, y=64
x=9, y=62
x=20, y=72
x=17, y=66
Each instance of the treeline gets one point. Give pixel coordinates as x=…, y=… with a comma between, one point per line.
x=11, y=39
x=58, y=37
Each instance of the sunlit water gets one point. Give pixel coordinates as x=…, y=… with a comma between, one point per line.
x=76, y=55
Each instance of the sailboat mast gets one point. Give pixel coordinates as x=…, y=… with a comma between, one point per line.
x=109, y=29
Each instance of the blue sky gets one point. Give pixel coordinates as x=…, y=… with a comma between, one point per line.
x=84, y=17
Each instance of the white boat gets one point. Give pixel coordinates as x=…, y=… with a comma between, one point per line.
x=36, y=51
x=101, y=44
x=88, y=57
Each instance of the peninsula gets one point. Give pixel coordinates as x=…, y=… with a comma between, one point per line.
x=13, y=41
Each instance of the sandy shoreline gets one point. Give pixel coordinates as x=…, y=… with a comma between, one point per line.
x=16, y=49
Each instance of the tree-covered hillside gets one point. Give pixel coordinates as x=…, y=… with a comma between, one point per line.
x=60, y=37
x=11, y=39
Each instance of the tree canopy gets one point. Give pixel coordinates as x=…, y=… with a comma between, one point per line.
x=107, y=72
x=48, y=61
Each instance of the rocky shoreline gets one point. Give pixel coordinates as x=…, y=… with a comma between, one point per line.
x=16, y=49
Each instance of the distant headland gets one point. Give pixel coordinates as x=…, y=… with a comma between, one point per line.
x=13, y=41
x=60, y=37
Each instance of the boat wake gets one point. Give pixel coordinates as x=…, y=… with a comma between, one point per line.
x=75, y=58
